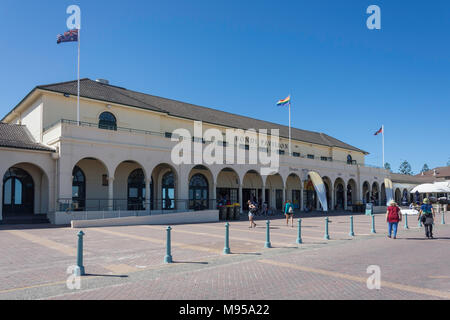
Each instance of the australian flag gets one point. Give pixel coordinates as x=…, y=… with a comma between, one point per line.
x=68, y=36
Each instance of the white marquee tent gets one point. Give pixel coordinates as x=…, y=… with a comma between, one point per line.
x=438, y=187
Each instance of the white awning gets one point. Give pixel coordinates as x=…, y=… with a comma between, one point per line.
x=432, y=188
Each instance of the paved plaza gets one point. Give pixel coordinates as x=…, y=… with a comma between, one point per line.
x=128, y=262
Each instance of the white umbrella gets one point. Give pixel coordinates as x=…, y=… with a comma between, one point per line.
x=431, y=188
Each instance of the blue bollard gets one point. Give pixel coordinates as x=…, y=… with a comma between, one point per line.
x=299, y=233
x=373, y=224
x=226, y=249
x=80, y=253
x=168, y=257
x=420, y=223
x=327, y=235
x=443, y=219
x=352, y=233
x=267, y=244
x=406, y=221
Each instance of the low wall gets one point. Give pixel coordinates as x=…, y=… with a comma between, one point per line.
x=156, y=219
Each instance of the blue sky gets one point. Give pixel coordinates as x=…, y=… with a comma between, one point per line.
x=243, y=56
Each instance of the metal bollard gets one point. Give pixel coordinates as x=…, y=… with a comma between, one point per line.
x=267, y=244
x=299, y=233
x=80, y=253
x=373, y=224
x=226, y=249
x=352, y=233
x=327, y=235
x=420, y=223
x=168, y=257
x=406, y=221
x=442, y=218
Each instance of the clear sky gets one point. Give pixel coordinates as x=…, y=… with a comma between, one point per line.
x=243, y=56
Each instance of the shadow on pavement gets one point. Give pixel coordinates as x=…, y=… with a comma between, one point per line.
x=106, y=275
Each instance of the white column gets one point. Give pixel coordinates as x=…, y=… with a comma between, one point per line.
x=110, y=193
x=263, y=196
x=212, y=203
x=345, y=197
x=302, y=205
x=333, y=198
x=148, y=195
x=240, y=196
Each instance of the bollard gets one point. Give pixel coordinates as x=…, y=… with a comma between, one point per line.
x=327, y=235
x=168, y=257
x=267, y=244
x=80, y=253
x=352, y=233
x=299, y=233
x=442, y=218
x=373, y=224
x=226, y=249
x=420, y=223
x=406, y=221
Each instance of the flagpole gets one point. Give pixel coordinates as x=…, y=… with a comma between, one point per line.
x=290, y=126
x=78, y=89
x=383, y=147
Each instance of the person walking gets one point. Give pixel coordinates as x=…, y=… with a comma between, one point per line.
x=289, y=212
x=393, y=217
x=251, y=213
x=427, y=216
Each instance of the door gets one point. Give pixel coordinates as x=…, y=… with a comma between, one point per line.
x=18, y=193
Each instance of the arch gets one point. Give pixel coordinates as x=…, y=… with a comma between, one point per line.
x=96, y=175
x=398, y=196
x=252, y=185
x=136, y=192
x=340, y=193
x=405, y=197
x=78, y=189
x=107, y=121
x=383, y=197
x=165, y=187
x=351, y=192
x=18, y=193
x=309, y=195
x=130, y=187
x=227, y=186
x=274, y=191
x=375, y=194
x=293, y=190
x=198, y=192
x=366, y=192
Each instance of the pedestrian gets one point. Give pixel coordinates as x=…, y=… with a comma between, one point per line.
x=289, y=212
x=393, y=217
x=427, y=216
x=251, y=213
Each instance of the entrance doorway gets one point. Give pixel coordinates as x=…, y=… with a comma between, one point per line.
x=18, y=193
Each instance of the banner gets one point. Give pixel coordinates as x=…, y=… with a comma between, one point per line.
x=319, y=186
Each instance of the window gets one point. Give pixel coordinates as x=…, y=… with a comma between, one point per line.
x=324, y=158
x=310, y=156
x=281, y=152
x=78, y=189
x=136, y=190
x=198, y=192
x=107, y=121
x=168, y=191
x=296, y=154
x=168, y=135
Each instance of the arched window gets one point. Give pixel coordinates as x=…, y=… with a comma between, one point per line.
x=78, y=189
x=136, y=190
x=198, y=192
x=168, y=191
x=107, y=121
x=18, y=192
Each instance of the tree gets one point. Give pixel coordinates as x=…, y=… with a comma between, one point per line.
x=387, y=166
x=405, y=168
x=425, y=168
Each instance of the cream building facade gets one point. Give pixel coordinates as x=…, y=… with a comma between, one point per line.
x=117, y=160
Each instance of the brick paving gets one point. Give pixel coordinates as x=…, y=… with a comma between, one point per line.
x=127, y=262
